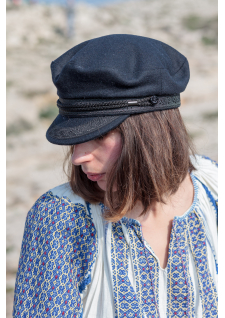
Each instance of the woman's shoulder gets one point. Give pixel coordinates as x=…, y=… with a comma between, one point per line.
x=204, y=161
x=61, y=214
x=206, y=172
x=64, y=191
x=61, y=204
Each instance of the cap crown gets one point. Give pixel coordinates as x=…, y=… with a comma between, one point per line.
x=120, y=66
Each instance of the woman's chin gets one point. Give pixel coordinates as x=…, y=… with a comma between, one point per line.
x=102, y=184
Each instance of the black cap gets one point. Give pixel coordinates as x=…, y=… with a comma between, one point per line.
x=103, y=81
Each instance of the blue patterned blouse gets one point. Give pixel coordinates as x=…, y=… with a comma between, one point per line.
x=73, y=264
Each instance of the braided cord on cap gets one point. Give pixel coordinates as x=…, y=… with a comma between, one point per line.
x=84, y=108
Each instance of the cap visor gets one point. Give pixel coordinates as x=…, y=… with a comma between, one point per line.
x=72, y=131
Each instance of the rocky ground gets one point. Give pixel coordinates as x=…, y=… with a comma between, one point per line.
x=36, y=36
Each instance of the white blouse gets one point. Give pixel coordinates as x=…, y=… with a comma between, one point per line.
x=118, y=273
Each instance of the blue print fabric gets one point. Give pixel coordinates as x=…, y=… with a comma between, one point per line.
x=58, y=250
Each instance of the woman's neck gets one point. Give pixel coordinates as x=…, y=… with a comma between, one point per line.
x=175, y=205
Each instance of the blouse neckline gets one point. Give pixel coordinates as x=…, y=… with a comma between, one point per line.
x=130, y=221
x=134, y=222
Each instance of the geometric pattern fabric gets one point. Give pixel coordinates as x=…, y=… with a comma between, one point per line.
x=187, y=232
x=146, y=271
x=58, y=251
x=129, y=303
x=207, y=286
x=125, y=299
x=180, y=292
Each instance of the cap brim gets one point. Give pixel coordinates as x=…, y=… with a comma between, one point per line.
x=72, y=131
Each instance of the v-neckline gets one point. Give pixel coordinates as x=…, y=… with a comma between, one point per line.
x=176, y=218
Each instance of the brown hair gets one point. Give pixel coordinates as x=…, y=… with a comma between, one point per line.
x=154, y=160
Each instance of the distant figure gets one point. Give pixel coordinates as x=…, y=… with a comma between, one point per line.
x=70, y=14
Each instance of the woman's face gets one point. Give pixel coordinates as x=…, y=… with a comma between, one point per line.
x=96, y=157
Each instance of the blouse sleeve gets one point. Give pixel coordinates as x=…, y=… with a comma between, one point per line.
x=58, y=251
x=207, y=173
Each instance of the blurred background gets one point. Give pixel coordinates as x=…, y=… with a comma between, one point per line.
x=38, y=32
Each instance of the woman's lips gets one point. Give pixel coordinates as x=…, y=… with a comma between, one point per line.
x=95, y=176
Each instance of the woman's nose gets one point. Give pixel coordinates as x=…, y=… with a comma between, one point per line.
x=81, y=154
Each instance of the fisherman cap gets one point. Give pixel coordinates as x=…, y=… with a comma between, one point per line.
x=103, y=81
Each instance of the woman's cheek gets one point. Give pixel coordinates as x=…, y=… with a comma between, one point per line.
x=116, y=151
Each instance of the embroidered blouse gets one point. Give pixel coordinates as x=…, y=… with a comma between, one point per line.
x=74, y=264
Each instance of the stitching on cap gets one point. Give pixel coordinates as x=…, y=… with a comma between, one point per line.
x=161, y=80
x=180, y=67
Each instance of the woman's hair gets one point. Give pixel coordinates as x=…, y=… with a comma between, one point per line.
x=154, y=160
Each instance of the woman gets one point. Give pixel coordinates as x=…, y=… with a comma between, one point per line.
x=133, y=233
